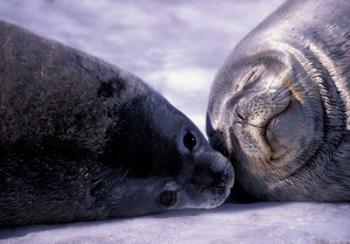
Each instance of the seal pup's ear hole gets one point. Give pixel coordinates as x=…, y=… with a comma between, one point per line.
x=168, y=198
x=190, y=141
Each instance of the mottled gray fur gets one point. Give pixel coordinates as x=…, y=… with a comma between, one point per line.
x=280, y=105
x=82, y=140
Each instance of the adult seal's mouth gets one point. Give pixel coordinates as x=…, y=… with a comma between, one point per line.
x=255, y=121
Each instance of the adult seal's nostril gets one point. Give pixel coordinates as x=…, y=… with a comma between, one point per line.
x=168, y=198
x=239, y=115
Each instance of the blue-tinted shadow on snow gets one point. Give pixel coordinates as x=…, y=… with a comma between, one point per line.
x=7, y=233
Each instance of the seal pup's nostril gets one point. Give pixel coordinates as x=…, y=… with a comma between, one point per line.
x=218, y=180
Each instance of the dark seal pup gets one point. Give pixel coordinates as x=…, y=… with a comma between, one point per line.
x=83, y=140
x=280, y=105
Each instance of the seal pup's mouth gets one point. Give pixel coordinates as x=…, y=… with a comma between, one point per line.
x=210, y=184
x=207, y=185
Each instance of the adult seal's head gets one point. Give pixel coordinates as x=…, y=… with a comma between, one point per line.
x=83, y=140
x=280, y=105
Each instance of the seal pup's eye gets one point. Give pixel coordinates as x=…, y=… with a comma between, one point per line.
x=168, y=198
x=189, y=141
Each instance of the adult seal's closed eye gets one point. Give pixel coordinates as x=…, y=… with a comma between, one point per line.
x=280, y=105
x=83, y=140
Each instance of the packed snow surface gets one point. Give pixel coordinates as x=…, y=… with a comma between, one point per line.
x=231, y=223
x=177, y=47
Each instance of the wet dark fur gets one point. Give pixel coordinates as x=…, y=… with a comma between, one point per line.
x=83, y=140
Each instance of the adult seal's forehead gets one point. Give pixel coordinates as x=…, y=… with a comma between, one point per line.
x=293, y=20
x=279, y=106
x=81, y=139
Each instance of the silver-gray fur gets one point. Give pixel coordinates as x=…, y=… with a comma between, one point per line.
x=280, y=105
x=83, y=140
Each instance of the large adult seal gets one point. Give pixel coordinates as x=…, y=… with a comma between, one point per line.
x=83, y=140
x=280, y=105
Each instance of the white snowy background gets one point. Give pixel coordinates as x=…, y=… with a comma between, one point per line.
x=176, y=46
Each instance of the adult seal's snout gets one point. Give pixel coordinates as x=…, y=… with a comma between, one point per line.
x=279, y=107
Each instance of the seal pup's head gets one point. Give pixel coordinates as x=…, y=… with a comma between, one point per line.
x=84, y=140
x=153, y=140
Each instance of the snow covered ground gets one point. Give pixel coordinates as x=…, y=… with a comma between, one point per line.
x=252, y=223
x=176, y=46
